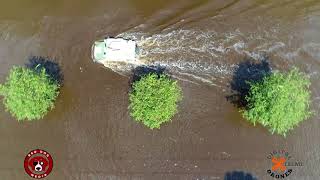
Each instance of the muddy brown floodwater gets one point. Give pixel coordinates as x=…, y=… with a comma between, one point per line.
x=201, y=43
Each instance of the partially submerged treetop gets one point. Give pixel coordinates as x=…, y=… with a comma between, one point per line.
x=280, y=101
x=153, y=100
x=29, y=94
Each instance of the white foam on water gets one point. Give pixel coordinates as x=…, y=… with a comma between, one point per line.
x=203, y=56
x=201, y=79
x=313, y=49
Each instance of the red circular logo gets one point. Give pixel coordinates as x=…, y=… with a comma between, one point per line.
x=38, y=164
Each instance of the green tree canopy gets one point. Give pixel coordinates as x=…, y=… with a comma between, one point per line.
x=280, y=101
x=29, y=95
x=153, y=100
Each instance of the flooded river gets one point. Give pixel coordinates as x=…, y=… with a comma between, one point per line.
x=201, y=43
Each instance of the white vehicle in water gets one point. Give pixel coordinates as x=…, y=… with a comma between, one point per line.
x=114, y=50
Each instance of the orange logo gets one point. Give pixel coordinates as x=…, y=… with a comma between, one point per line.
x=278, y=164
x=281, y=164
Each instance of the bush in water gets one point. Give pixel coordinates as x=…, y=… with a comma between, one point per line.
x=29, y=94
x=280, y=101
x=154, y=99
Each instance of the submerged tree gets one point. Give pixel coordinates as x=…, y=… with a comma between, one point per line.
x=154, y=99
x=29, y=94
x=280, y=101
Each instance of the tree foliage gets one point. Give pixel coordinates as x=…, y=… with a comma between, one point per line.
x=29, y=94
x=153, y=100
x=280, y=101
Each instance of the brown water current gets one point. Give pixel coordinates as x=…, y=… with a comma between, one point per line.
x=201, y=43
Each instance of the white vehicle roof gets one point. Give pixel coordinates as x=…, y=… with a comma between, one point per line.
x=114, y=49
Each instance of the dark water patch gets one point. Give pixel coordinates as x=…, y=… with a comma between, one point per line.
x=247, y=71
x=52, y=68
x=239, y=175
x=141, y=71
